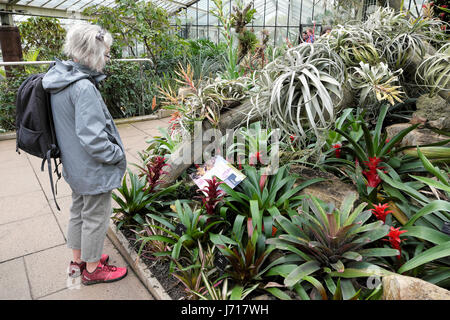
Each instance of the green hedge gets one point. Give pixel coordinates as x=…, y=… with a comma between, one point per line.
x=127, y=91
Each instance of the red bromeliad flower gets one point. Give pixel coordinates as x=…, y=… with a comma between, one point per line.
x=154, y=171
x=373, y=180
x=257, y=155
x=394, y=239
x=380, y=211
x=213, y=195
x=239, y=163
x=386, y=142
x=292, y=138
x=337, y=149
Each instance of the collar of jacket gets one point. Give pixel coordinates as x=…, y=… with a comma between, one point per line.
x=98, y=76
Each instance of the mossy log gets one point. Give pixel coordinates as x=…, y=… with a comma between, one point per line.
x=230, y=119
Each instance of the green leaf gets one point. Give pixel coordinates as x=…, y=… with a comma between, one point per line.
x=402, y=186
x=426, y=233
x=338, y=266
x=316, y=283
x=379, y=252
x=348, y=291
x=256, y=215
x=379, y=126
x=281, y=270
x=236, y=293
x=301, y=271
x=359, y=151
x=278, y=293
x=436, y=205
x=433, y=183
x=397, y=138
x=352, y=255
x=437, y=252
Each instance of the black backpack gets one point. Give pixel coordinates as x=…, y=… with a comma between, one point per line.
x=35, y=131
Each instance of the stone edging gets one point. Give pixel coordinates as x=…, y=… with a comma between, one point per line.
x=139, y=267
x=10, y=135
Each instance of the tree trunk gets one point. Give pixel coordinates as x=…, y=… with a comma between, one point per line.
x=229, y=120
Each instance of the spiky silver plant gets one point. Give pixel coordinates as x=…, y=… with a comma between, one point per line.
x=434, y=71
x=299, y=90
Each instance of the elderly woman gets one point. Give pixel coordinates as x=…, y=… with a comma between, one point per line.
x=92, y=153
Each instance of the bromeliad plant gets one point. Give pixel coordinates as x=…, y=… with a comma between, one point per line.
x=153, y=171
x=155, y=245
x=161, y=145
x=422, y=214
x=139, y=198
x=246, y=253
x=190, y=269
x=266, y=191
x=183, y=228
x=328, y=243
x=364, y=156
x=211, y=195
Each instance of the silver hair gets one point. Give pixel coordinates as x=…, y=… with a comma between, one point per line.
x=87, y=44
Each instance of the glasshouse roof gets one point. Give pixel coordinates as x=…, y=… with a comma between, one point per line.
x=287, y=12
x=73, y=8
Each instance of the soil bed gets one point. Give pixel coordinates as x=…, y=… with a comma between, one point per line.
x=160, y=269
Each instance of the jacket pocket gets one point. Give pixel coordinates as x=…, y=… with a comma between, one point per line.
x=113, y=140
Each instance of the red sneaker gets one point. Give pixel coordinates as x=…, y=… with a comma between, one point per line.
x=103, y=273
x=76, y=269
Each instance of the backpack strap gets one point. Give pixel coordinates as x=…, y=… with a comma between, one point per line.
x=49, y=162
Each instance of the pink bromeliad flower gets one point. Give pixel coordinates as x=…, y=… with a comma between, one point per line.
x=381, y=211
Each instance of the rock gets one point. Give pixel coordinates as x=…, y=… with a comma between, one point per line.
x=398, y=287
x=332, y=190
x=434, y=110
x=418, y=136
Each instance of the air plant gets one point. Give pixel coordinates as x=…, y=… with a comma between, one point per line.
x=434, y=71
x=296, y=90
x=203, y=99
x=353, y=44
x=376, y=84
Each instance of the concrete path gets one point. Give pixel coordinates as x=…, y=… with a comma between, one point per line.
x=33, y=254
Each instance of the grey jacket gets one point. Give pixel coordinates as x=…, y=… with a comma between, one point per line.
x=92, y=153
